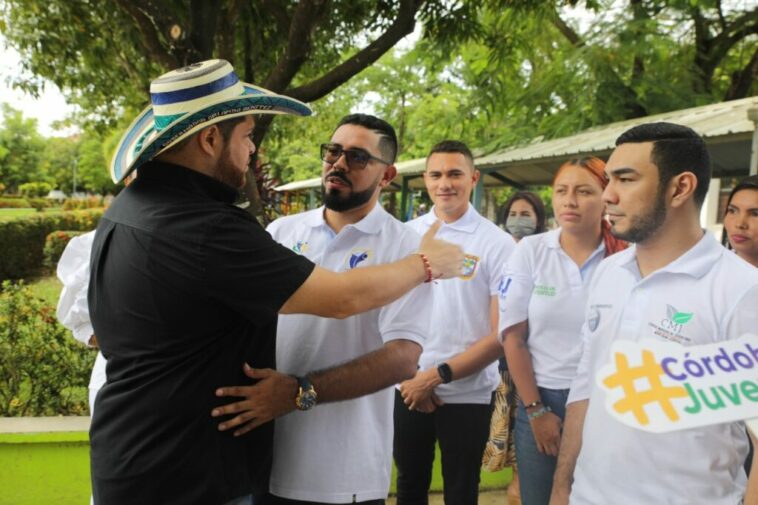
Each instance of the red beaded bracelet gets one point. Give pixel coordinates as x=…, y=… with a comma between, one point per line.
x=427, y=267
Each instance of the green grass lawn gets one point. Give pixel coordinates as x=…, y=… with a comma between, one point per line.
x=489, y=480
x=8, y=214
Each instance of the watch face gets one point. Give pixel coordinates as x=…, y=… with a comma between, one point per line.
x=306, y=400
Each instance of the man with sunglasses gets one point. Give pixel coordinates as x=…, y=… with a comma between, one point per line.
x=341, y=452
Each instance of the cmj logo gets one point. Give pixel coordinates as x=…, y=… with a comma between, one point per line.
x=657, y=386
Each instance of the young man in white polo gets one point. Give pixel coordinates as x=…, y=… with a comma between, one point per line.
x=659, y=175
x=340, y=452
x=450, y=399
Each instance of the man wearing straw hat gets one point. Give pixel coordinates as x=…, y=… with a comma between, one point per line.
x=185, y=287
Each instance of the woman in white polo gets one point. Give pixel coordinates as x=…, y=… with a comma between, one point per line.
x=542, y=297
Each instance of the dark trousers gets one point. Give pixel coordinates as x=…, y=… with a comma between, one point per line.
x=270, y=499
x=462, y=431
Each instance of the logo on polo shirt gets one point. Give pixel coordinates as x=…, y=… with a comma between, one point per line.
x=543, y=290
x=659, y=386
x=594, y=318
x=469, y=266
x=357, y=257
x=300, y=247
x=671, y=326
x=502, y=288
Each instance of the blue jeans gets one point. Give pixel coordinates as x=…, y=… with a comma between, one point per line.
x=536, y=469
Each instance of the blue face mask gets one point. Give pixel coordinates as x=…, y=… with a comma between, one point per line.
x=520, y=226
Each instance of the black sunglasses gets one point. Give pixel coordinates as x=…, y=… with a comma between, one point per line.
x=355, y=158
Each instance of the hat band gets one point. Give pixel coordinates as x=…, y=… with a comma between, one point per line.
x=184, y=95
x=163, y=121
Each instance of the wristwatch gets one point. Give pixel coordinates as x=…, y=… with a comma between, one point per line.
x=446, y=373
x=306, y=394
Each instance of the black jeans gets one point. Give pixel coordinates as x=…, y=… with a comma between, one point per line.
x=270, y=499
x=462, y=431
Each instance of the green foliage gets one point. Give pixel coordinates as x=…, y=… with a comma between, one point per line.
x=92, y=169
x=91, y=202
x=7, y=202
x=43, y=371
x=20, y=149
x=55, y=244
x=22, y=240
x=34, y=189
x=59, y=157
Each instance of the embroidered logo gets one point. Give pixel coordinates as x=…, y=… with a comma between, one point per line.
x=594, y=320
x=502, y=288
x=670, y=327
x=595, y=316
x=469, y=266
x=300, y=247
x=543, y=290
x=358, y=257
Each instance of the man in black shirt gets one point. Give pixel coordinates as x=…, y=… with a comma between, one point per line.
x=184, y=286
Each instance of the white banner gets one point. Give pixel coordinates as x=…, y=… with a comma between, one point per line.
x=659, y=386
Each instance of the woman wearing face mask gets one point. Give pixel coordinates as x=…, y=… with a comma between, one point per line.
x=542, y=311
x=524, y=215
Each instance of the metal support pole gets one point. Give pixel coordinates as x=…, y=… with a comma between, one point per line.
x=404, y=199
x=478, y=193
x=752, y=114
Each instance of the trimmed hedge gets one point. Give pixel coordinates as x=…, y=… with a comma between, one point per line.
x=7, y=202
x=91, y=202
x=55, y=244
x=22, y=240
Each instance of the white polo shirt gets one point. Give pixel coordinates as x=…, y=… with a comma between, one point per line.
x=619, y=464
x=543, y=285
x=461, y=306
x=340, y=452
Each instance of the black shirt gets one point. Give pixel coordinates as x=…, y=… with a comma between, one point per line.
x=184, y=288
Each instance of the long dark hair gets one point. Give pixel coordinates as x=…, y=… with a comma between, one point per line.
x=749, y=182
x=534, y=201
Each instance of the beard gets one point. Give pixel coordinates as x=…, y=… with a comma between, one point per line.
x=227, y=172
x=644, y=226
x=334, y=200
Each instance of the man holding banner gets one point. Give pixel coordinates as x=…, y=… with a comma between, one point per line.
x=659, y=316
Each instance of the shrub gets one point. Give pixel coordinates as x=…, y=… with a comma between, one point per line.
x=22, y=240
x=35, y=189
x=43, y=370
x=8, y=202
x=91, y=202
x=40, y=203
x=55, y=243
x=2, y=188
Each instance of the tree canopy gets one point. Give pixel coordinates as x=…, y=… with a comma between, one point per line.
x=490, y=72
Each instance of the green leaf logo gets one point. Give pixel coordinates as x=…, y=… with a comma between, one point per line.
x=682, y=317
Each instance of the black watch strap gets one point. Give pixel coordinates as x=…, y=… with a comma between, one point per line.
x=446, y=373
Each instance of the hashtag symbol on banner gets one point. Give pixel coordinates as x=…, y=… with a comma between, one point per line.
x=635, y=400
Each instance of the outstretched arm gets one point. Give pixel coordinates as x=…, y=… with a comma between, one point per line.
x=340, y=295
x=417, y=391
x=274, y=393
